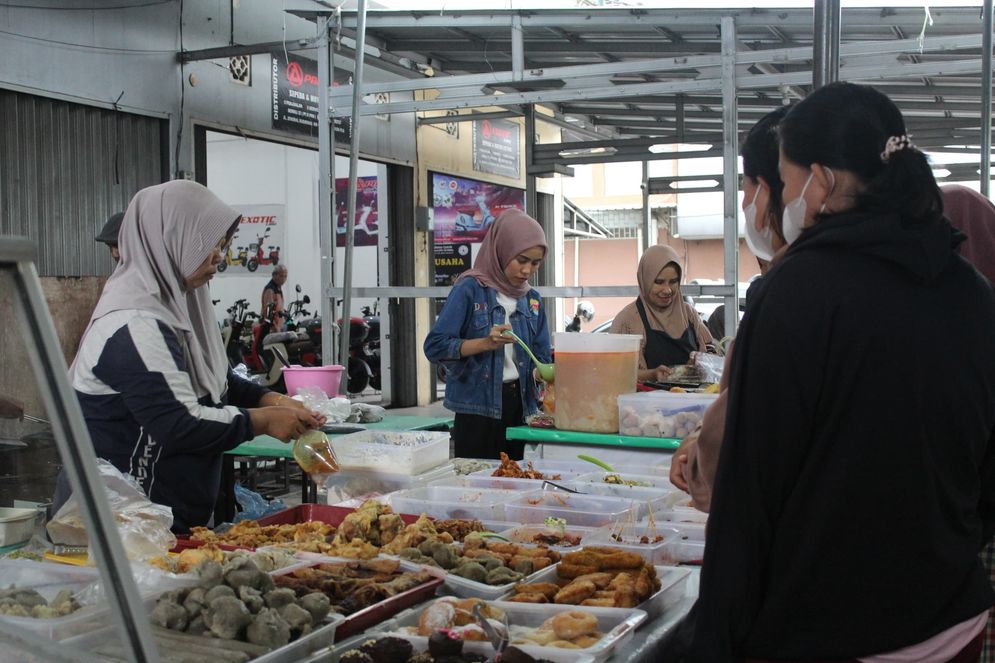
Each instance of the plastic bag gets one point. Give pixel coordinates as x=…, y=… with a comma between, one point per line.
x=335, y=410
x=710, y=365
x=144, y=526
x=255, y=506
x=365, y=413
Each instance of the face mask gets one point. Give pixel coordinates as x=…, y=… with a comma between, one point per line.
x=793, y=219
x=759, y=241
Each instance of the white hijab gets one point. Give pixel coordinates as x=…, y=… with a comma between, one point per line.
x=167, y=233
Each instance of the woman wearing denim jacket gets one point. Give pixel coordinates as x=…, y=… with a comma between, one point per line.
x=489, y=383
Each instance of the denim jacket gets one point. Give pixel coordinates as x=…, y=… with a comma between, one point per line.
x=473, y=384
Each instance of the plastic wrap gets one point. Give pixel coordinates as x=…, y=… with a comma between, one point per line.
x=255, y=506
x=709, y=365
x=144, y=526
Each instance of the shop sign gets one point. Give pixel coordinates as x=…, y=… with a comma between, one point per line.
x=496, y=148
x=294, y=94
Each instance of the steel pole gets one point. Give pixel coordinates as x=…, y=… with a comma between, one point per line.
x=350, y=226
x=730, y=174
x=986, y=98
x=826, y=44
x=326, y=192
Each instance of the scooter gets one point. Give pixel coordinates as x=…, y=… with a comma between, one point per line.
x=272, y=351
x=300, y=320
x=371, y=353
x=467, y=224
x=239, y=258
x=233, y=329
x=358, y=369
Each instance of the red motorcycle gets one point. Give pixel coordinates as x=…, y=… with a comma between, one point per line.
x=261, y=258
x=359, y=371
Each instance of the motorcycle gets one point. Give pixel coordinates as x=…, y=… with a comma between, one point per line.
x=259, y=257
x=234, y=329
x=270, y=351
x=364, y=351
x=300, y=320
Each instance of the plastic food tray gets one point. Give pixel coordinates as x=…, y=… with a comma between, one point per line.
x=655, y=481
x=579, y=510
x=618, y=625
x=454, y=502
x=684, y=552
x=683, y=514
x=361, y=620
x=318, y=639
x=48, y=579
x=524, y=534
x=654, y=553
x=350, y=484
x=661, y=413
x=16, y=525
x=393, y=452
x=566, y=469
x=643, y=499
x=673, y=587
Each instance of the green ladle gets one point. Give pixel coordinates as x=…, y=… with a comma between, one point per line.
x=546, y=371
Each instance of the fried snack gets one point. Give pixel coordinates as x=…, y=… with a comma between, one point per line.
x=439, y=615
x=458, y=528
x=575, y=592
x=525, y=597
x=250, y=534
x=562, y=644
x=599, y=602
x=414, y=535
x=572, y=624
x=584, y=557
x=513, y=470
x=352, y=586
x=586, y=641
x=612, y=558
x=600, y=580
x=571, y=571
x=191, y=558
x=547, y=589
x=542, y=636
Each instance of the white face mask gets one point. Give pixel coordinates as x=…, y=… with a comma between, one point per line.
x=793, y=219
x=759, y=241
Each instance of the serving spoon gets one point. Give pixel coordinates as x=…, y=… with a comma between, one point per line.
x=546, y=371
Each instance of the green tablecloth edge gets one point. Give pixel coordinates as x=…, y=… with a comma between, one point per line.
x=596, y=439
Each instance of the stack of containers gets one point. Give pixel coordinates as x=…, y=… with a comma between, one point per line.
x=386, y=461
x=661, y=413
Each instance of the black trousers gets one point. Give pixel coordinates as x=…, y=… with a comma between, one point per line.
x=476, y=436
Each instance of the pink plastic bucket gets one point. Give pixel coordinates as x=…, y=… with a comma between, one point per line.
x=326, y=378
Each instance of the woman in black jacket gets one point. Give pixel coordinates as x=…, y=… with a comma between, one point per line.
x=856, y=482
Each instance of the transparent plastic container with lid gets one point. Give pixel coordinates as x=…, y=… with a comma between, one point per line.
x=592, y=371
x=662, y=413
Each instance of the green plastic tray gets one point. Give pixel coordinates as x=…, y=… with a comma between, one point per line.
x=597, y=439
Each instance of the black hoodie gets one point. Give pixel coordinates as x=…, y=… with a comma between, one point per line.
x=856, y=483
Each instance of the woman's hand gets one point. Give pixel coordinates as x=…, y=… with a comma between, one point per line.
x=678, y=464
x=284, y=423
x=273, y=399
x=495, y=340
x=658, y=374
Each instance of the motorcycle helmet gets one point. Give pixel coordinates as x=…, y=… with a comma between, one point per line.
x=585, y=310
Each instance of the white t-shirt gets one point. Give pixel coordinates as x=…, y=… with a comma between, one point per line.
x=510, y=367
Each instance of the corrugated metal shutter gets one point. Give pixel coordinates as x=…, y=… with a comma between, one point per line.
x=65, y=168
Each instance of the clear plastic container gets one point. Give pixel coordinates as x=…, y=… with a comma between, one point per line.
x=351, y=484
x=618, y=625
x=683, y=552
x=453, y=502
x=391, y=452
x=566, y=470
x=526, y=534
x=48, y=579
x=644, y=499
x=661, y=413
x=683, y=514
x=592, y=371
x=629, y=540
x=577, y=510
x=658, y=481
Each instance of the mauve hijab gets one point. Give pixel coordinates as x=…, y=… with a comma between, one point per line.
x=514, y=231
x=167, y=233
x=674, y=318
x=974, y=215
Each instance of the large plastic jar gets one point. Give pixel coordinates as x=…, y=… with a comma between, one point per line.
x=592, y=371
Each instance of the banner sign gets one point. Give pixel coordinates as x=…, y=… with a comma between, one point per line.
x=496, y=149
x=255, y=249
x=462, y=212
x=367, y=224
x=295, y=96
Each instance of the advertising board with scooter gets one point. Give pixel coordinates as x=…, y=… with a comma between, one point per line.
x=257, y=241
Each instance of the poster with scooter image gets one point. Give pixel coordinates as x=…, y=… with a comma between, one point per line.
x=462, y=212
x=255, y=247
x=367, y=226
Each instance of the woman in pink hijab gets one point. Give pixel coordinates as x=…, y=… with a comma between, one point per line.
x=489, y=382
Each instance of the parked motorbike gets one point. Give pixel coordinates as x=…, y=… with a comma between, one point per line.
x=234, y=333
x=300, y=320
x=240, y=257
x=364, y=351
x=271, y=351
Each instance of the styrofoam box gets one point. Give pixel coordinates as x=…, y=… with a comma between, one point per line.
x=453, y=502
x=347, y=484
x=16, y=525
x=48, y=579
x=644, y=499
x=577, y=510
x=673, y=587
x=618, y=625
x=523, y=534
x=391, y=452
x=661, y=413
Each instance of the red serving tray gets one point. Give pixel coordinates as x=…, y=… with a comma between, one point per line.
x=359, y=621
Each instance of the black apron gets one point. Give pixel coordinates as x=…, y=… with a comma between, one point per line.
x=661, y=349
